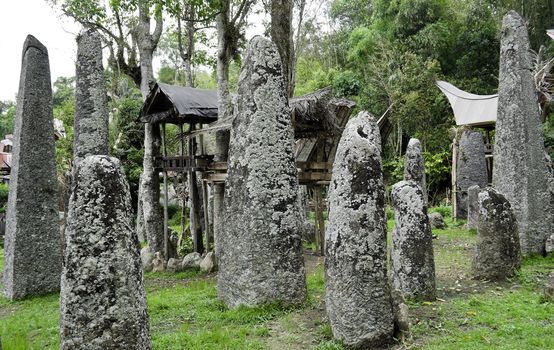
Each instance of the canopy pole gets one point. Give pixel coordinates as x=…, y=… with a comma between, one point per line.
x=183, y=198
x=166, y=216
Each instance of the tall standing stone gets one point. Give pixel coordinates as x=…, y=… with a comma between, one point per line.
x=473, y=207
x=91, y=100
x=497, y=252
x=414, y=167
x=358, y=299
x=103, y=302
x=33, y=250
x=550, y=167
x=260, y=249
x=471, y=168
x=519, y=172
x=412, y=259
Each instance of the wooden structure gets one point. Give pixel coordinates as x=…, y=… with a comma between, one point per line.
x=470, y=111
x=318, y=120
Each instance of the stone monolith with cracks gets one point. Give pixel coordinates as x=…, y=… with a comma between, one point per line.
x=259, y=247
x=91, y=108
x=412, y=259
x=33, y=249
x=519, y=172
x=414, y=166
x=471, y=168
x=358, y=299
x=473, y=206
x=497, y=252
x=102, y=301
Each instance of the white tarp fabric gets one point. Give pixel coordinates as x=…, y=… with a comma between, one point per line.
x=550, y=33
x=470, y=109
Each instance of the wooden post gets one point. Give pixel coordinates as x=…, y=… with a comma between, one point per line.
x=183, y=201
x=205, y=197
x=489, y=158
x=320, y=232
x=194, y=199
x=454, y=178
x=206, y=221
x=166, y=216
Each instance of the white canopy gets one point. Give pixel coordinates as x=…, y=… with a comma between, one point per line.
x=550, y=33
x=470, y=109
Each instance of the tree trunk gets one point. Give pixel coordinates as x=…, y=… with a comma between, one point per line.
x=222, y=137
x=281, y=34
x=150, y=184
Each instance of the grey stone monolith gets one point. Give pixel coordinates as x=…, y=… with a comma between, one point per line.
x=550, y=167
x=471, y=168
x=519, y=172
x=473, y=207
x=412, y=259
x=414, y=166
x=91, y=101
x=260, y=249
x=102, y=301
x=358, y=299
x=497, y=253
x=33, y=247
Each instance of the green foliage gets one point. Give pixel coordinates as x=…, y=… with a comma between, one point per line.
x=64, y=110
x=4, y=191
x=445, y=211
x=7, y=114
x=128, y=145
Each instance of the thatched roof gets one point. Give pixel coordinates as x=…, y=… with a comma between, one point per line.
x=178, y=104
x=319, y=113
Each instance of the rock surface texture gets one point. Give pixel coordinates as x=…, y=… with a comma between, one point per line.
x=91, y=101
x=473, y=207
x=358, y=299
x=259, y=247
x=33, y=246
x=436, y=221
x=414, y=167
x=497, y=253
x=103, y=302
x=519, y=172
x=550, y=167
x=471, y=168
x=412, y=259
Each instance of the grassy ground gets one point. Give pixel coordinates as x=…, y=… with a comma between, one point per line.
x=186, y=314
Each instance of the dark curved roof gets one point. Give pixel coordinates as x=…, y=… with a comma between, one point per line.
x=179, y=104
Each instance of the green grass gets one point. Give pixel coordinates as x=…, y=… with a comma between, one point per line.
x=185, y=312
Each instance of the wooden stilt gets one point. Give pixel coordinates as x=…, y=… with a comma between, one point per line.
x=206, y=218
x=183, y=199
x=454, y=178
x=194, y=199
x=320, y=232
x=312, y=192
x=166, y=216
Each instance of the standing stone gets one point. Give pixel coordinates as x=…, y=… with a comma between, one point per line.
x=33, y=248
x=260, y=249
x=473, y=207
x=497, y=253
x=471, y=168
x=103, y=302
x=414, y=167
x=412, y=261
x=550, y=167
x=358, y=299
x=519, y=172
x=91, y=108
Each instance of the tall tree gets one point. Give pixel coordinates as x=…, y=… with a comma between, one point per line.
x=230, y=22
x=281, y=34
